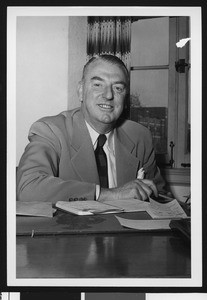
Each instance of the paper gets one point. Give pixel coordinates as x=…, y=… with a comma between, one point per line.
x=36, y=209
x=144, y=224
x=169, y=210
x=89, y=207
x=156, y=210
x=129, y=205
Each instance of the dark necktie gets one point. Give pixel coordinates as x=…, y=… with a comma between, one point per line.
x=101, y=161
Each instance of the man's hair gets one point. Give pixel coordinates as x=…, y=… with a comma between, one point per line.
x=114, y=60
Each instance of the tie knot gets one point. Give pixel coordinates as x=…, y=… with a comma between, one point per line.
x=101, y=140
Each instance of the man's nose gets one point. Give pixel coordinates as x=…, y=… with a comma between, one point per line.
x=108, y=93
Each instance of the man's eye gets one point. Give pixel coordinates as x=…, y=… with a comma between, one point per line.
x=96, y=84
x=119, y=89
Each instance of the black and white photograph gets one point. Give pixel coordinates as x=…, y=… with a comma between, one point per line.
x=104, y=140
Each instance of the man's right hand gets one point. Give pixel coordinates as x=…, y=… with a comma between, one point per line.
x=139, y=189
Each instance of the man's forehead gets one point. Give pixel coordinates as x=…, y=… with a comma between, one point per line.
x=99, y=67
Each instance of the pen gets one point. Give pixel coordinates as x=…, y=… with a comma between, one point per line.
x=140, y=175
x=165, y=197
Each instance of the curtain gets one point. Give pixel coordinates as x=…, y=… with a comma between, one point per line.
x=109, y=35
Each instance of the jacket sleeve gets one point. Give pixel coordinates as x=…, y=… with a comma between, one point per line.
x=149, y=164
x=37, y=174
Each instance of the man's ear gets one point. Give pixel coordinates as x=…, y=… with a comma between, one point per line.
x=80, y=91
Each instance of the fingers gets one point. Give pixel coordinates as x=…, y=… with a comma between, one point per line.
x=151, y=185
x=138, y=189
x=145, y=188
x=140, y=192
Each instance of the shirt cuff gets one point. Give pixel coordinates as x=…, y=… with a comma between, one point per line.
x=98, y=190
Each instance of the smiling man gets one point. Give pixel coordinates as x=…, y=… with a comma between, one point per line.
x=90, y=152
x=102, y=92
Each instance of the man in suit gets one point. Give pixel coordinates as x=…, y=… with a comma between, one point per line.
x=59, y=163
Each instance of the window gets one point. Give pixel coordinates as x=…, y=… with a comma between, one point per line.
x=159, y=97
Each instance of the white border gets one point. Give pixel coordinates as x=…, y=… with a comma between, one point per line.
x=11, y=296
x=177, y=296
x=195, y=16
x=82, y=296
x=14, y=296
x=5, y=296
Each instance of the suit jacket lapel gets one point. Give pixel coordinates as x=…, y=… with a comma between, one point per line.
x=127, y=164
x=83, y=157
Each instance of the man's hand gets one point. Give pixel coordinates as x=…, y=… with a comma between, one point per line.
x=139, y=189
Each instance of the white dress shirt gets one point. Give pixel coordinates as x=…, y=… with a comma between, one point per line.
x=109, y=149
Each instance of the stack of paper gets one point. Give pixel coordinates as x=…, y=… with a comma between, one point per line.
x=36, y=209
x=162, y=215
x=156, y=210
x=129, y=205
x=89, y=207
x=144, y=224
x=169, y=210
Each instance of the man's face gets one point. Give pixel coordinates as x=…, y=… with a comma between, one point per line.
x=102, y=94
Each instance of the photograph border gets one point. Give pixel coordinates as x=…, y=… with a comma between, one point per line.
x=195, y=16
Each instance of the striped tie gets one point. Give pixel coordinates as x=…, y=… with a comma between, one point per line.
x=101, y=161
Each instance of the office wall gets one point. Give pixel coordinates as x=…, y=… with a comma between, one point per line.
x=50, y=54
x=77, y=56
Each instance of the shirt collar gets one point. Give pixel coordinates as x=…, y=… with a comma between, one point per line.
x=94, y=136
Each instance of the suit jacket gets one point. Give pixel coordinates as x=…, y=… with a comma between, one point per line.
x=59, y=162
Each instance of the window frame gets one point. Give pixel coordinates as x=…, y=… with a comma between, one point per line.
x=178, y=93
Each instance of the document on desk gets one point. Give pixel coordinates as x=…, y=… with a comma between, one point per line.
x=89, y=207
x=169, y=210
x=129, y=205
x=34, y=209
x=154, y=209
x=144, y=224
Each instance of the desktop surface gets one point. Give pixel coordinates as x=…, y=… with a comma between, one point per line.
x=99, y=249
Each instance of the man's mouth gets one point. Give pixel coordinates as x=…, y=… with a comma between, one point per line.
x=105, y=106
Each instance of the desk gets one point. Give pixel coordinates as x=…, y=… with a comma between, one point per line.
x=102, y=254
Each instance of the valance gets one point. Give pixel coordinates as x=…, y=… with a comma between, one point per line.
x=109, y=35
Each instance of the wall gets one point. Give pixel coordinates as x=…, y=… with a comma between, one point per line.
x=46, y=79
x=77, y=56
